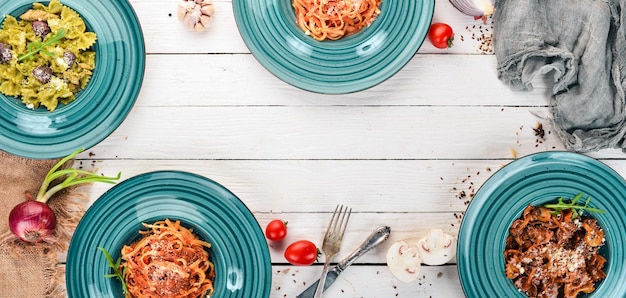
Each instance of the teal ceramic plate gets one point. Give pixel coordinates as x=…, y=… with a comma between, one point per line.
x=350, y=64
x=538, y=179
x=99, y=108
x=238, y=247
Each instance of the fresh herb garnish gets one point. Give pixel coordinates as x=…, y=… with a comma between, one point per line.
x=574, y=204
x=116, y=269
x=38, y=46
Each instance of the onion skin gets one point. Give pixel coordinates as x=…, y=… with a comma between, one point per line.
x=33, y=221
x=475, y=8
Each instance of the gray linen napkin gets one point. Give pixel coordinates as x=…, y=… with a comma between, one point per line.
x=582, y=45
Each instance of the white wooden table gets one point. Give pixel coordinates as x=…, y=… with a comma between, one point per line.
x=400, y=153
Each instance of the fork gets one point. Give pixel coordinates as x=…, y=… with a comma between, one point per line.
x=332, y=241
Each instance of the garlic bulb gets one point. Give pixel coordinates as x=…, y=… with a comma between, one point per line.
x=475, y=8
x=196, y=15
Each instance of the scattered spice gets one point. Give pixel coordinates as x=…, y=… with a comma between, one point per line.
x=482, y=35
x=539, y=132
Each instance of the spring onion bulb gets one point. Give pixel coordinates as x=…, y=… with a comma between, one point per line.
x=475, y=8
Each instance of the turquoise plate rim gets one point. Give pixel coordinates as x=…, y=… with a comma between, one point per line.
x=98, y=109
x=537, y=179
x=200, y=203
x=351, y=64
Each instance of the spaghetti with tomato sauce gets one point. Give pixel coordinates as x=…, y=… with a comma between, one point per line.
x=168, y=262
x=334, y=19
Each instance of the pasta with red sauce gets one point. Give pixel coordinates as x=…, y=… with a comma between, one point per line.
x=334, y=19
x=168, y=262
x=554, y=255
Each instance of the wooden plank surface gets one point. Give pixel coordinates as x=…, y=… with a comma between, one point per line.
x=403, y=153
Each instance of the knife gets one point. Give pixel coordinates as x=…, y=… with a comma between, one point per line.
x=375, y=238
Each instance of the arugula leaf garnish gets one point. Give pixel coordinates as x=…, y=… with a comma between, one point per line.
x=38, y=46
x=116, y=269
x=574, y=204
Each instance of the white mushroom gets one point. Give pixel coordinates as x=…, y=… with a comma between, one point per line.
x=196, y=14
x=404, y=261
x=437, y=247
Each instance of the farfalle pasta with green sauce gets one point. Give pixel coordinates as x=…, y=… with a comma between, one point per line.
x=45, y=56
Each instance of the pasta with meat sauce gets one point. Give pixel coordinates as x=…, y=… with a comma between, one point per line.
x=554, y=254
x=170, y=261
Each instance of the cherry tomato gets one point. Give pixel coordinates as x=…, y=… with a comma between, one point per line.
x=441, y=35
x=276, y=230
x=301, y=253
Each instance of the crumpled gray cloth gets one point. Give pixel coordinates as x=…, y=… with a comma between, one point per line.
x=581, y=44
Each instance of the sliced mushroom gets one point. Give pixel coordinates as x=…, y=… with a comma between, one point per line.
x=404, y=261
x=437, y=247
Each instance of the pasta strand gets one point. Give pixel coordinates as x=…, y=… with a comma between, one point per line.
x=334, y=19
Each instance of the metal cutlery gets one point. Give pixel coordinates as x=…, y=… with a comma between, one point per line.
x=378, y=236
x=332, y=241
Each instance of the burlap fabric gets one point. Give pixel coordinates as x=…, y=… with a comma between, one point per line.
x=34, y=270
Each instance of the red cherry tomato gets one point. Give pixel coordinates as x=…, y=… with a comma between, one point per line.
x=301, y=253
x=441, y=35
x=276, y=230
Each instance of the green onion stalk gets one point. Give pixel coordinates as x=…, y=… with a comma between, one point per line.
x=33, y=220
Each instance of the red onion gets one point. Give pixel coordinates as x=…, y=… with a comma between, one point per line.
x=33, y=221
x=475, y=8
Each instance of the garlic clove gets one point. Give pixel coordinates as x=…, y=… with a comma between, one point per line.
x=190, y=21
x=208, y=10
x=205, y=20
x=198, y=27
x=183, y=8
